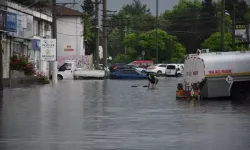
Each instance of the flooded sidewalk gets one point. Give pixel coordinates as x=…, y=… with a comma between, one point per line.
x=112, y=115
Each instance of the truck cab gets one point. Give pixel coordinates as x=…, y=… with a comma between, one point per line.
x=65, y=72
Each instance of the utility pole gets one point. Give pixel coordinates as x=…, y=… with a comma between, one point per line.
x=54, y=36
x=233, y=28
x=126, y=33
x=1, y=62
x=105, y=34
x=96, y=54
x=157, y=18
x=222, y=24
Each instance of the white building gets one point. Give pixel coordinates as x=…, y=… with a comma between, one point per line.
x=70, y=42
x=24, y=27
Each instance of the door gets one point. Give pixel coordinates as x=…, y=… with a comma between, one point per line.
x=134, y=74
x=66, y=70
x=129, y=74
x=162, y=68
x=171, y=70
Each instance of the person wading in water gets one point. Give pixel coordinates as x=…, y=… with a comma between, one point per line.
x=152, y=80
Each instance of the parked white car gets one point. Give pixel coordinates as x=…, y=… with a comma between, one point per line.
x=174, y=70
x=159, y=69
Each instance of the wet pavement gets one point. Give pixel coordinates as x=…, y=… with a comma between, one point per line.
x=112, y=115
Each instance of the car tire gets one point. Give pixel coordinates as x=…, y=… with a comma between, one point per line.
x=159, y=73
x=59, y=77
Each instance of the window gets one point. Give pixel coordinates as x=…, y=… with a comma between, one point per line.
x=132, y=72
x=40, y=29
x=124, y=71
x=128, y=72
x=164, y=66
x=171, y=67
x=68, y=66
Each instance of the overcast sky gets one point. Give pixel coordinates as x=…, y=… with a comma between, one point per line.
x=117, y=4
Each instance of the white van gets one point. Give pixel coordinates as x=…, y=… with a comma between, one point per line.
x=174, y=70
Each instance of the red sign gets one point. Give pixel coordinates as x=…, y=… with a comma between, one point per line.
x=226, y=71
x=194, y=73
x=69, y=49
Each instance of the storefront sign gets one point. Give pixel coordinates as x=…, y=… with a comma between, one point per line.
x=2, y=19
x=36, y=44
x=48, y=49
x=11, y=22
x=68, y=49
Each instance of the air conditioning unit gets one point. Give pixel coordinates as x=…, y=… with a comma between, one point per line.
x=46, y=27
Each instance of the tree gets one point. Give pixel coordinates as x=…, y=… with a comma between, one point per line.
x=208, y=19
x=114, y=42
x=88, y=9
x=213, y=43
x=131, y=18
x=184, y=22
x=241, y=12
x=169, y=49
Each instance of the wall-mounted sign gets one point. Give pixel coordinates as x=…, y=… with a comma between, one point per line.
x=36, y=44
x=2, y=19
x=48, y=49
x=11, y=22
x=68, y=49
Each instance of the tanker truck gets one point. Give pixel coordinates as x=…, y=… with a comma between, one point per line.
x=218, y=74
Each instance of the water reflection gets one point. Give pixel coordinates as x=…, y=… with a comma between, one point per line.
x=113, y=115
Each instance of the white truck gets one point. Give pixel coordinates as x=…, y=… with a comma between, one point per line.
x=220, y=74
x=66, y=71
x=69, y=71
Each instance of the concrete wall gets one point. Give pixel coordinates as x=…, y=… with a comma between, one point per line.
x=70, y=45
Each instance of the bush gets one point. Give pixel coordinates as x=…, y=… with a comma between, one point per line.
x=22, y=64
x=41, y=78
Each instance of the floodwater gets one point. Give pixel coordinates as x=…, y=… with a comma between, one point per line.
x=112, y=115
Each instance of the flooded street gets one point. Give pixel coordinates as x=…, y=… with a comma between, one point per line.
x=112, y=115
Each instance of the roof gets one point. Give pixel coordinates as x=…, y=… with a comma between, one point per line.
x=65, y=11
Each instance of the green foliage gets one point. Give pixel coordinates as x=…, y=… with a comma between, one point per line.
x=88, y=28
x=114, y=42
x=191, y=22
x=131, y=18
x=228, y=22
x=122, y=58
x=168, y=47
x=213, y=43
x=88, y=7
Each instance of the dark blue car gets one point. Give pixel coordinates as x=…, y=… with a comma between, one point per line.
x=127, y=74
